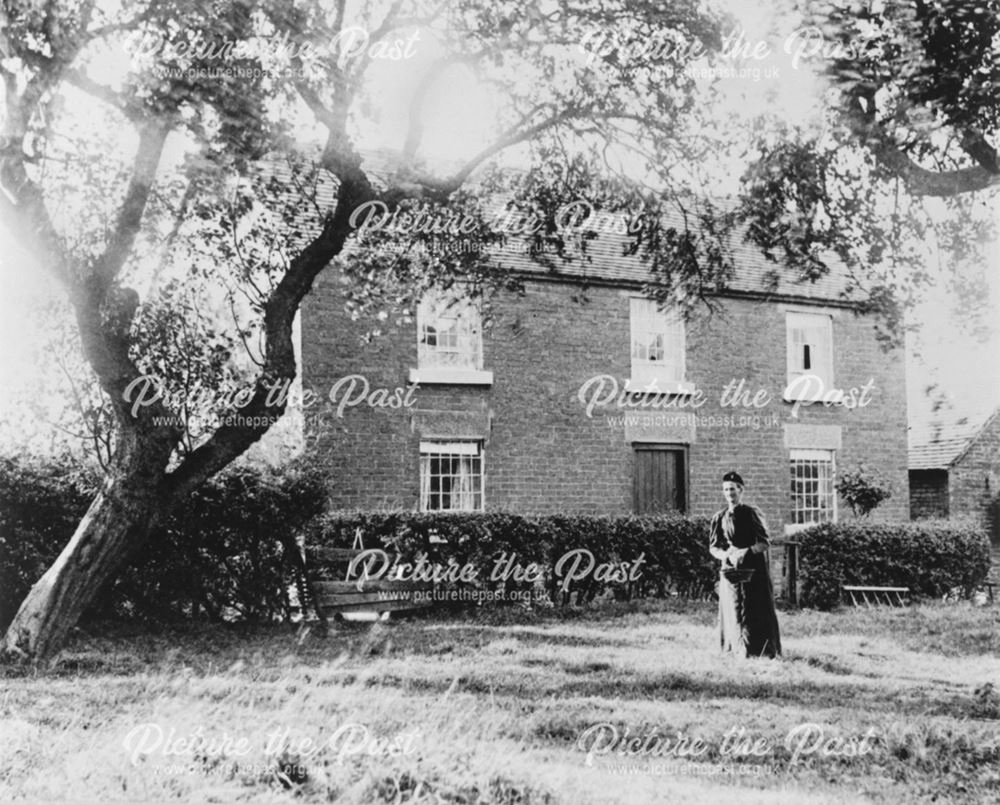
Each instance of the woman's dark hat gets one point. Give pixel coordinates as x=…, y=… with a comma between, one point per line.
x=735, y=477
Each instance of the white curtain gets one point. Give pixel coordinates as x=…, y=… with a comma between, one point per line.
x=464, y=491
x=425, y=483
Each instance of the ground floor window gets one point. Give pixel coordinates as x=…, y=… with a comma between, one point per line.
x=813, y=496
x=451, y=476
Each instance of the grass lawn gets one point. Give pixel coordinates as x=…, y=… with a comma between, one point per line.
x=905, y=703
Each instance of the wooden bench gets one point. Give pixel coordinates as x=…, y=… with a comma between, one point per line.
x=871, y=596
x=376, y=596
x=349, y=598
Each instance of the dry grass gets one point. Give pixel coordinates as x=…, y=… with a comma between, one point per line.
x=492, y=710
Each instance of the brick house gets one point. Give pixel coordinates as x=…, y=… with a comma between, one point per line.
x=954, y=460
x=519, y=409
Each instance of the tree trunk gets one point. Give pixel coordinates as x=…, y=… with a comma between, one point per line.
x=115, y=525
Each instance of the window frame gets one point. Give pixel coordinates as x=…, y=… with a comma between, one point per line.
x=805, y=321
x=651, y=376
x=816, y=456
x=430, y=449
x=465, y=372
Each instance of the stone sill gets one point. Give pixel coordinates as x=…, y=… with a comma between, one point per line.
x=440, y=375
x=817, y=390
x=634, y=386
x=791, y=529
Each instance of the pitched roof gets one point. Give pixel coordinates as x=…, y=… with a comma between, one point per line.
x=938, y=440
x=754, y=274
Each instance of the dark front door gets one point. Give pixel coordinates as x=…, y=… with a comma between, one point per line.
x=659, y=479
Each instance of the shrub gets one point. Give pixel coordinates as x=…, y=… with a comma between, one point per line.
x=222, y=555
x=863, y=489
x=930, y=557
x=674, y=548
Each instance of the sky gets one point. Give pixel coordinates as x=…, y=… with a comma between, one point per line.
x=772, y=65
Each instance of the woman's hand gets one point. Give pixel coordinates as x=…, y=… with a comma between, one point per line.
x=735, y=556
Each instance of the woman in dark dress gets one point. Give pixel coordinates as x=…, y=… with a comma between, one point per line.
x=738, y=538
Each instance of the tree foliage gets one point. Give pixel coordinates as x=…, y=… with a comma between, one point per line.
x=892, y=179
x=175, y=163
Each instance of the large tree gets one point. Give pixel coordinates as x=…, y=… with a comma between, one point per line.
x=207, y=97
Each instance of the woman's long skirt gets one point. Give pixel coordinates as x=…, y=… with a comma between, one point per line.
x=748, y=624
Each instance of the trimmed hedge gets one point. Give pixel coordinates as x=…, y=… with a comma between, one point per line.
x=41, y=504
x=674, y=548
x=222, y=555
x=225, y=554
x=930, y=557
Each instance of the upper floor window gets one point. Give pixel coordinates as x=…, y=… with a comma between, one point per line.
x=658, y=347
x=449, y=341
x=809, y=338
x=450, y=332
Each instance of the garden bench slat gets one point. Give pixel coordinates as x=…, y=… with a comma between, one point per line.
x=369, y=585
x=333, y=600
x=398, y=605
x=335, y=554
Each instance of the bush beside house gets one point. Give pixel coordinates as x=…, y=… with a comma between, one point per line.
x=41, y=502
x=222, y=555
x=672, y=549
x=931, y=557
x=231, y=553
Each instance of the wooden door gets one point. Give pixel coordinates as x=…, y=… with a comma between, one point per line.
x=660, y=479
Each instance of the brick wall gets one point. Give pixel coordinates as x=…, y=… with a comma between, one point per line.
x=928, y=493
x=544, y=454
x=974, y=484
x=748, y=340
